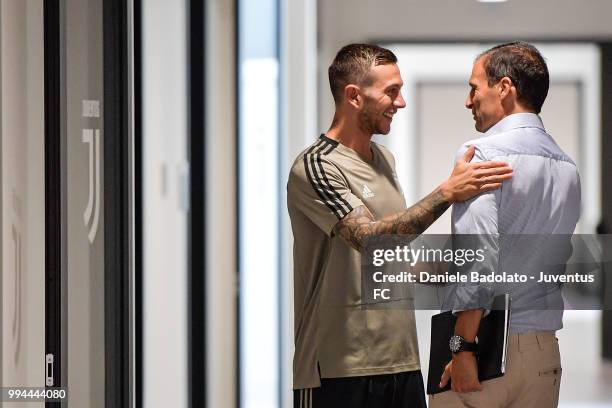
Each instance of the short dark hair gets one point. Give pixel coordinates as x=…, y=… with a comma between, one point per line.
x=352, y=65
x=524, y=65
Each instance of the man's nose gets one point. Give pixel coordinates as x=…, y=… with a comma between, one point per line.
x=400, y=102
x=468, y=102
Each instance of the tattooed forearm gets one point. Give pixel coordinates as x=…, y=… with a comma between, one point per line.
x=355, y=227
x=416, y=219
x=359, y=224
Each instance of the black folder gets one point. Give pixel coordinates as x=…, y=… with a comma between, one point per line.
x=492, y=344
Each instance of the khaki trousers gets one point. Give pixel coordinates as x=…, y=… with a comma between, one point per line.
x=532, y=379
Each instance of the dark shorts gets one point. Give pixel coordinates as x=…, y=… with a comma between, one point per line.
x=401, y=390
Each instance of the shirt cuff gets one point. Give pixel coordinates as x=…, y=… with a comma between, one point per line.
x=469, y=297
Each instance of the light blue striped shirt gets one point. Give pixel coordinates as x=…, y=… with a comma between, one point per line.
x=543, y=198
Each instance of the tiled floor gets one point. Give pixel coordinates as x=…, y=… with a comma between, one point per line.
x=585, y=405
x=587, y=380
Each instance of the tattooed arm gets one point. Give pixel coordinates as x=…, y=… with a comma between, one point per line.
x=466, y=181
x=359, y=224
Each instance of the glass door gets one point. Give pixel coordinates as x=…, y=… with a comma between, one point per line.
x=84, y=201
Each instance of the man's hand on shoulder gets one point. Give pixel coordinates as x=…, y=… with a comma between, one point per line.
x=470, y=179
x=466, y=181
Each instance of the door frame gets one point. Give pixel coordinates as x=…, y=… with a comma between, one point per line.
x=55, y=225
x=197, y=344
x=118, y=200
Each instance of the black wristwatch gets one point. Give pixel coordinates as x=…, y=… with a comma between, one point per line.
x=458, y=343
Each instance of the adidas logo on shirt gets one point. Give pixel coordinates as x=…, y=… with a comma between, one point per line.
x=367, y=193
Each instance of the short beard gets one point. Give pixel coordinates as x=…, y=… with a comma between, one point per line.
x=366, y=121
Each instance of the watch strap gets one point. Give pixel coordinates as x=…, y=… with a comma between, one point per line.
x=467, y=346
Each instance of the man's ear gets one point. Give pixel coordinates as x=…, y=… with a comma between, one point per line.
x=505, y=87
x=352, y=93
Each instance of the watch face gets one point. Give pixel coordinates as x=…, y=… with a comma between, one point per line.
x=455, y=343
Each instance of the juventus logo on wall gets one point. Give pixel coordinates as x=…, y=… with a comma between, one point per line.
x=91, y=216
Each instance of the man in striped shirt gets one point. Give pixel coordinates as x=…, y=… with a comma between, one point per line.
x=341, y=191
x=522, y=225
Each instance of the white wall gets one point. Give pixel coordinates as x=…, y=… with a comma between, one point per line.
x=165, y=246
x=346, y=21
x=23, y=273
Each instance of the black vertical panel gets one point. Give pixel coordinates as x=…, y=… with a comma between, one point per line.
x=197, y=212
x=116, y=203
x=138, y=207
x=606, y=184
x=53, y=196
x=238, y=130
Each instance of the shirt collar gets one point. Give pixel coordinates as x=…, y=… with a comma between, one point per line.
x=515, y=121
